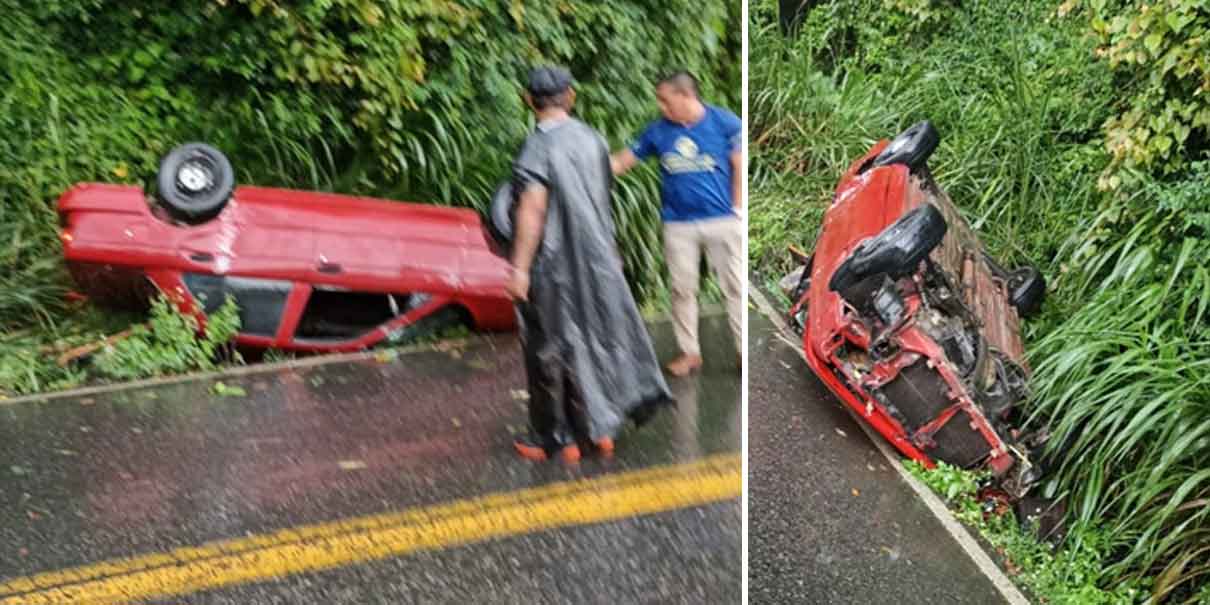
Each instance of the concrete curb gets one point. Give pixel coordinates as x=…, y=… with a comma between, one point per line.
x=938, y=508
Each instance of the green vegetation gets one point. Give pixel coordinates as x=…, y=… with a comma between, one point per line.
x=413, y=100
x=170, y=344
x=1067, y=576
x=1033, y=101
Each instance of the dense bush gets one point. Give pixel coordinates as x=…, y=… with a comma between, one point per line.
x=1160, y=54
x=170, y=343
x=1032, y=125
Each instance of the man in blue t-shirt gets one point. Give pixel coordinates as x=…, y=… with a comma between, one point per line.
x=702, y=175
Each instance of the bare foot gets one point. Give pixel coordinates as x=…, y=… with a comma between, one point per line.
x=683, y=365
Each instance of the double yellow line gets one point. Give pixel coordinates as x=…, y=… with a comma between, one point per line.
x=328, y=545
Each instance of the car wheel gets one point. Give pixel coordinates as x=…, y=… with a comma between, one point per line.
x=1026, y=290
x=500, y=215
x=912, y=147
x=895, y=252
x=195, y=182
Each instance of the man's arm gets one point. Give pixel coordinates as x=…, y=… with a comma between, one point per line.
x=737, y=179
x=530, y=219
x=622, y=161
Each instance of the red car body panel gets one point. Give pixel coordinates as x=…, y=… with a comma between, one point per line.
x=307, y=239
x=837, y=341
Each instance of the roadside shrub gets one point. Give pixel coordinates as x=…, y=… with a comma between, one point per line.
x=170, y=343
x=1159, y=53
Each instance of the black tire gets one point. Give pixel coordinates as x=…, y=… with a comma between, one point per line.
x=895, y=252
x=500, y=215
x=195, y=182
x=911, y=147
x=1026, y=290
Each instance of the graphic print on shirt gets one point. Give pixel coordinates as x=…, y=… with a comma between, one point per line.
x=685, y=158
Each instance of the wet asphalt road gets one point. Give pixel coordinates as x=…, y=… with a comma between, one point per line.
x=830, y=522
x=149, y=470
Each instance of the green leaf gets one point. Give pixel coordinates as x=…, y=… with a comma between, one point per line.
x=1153, y=41
x=1177, y=21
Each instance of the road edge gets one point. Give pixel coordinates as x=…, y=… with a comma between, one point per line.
x=707, y=310
x=932, y=501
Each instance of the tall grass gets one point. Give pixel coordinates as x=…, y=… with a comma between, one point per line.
x=1120, y=352
x=1123, y=384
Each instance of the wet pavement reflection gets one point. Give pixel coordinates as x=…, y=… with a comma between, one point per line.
x=147, y=470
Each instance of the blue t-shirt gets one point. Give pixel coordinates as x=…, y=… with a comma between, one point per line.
x=695, y=163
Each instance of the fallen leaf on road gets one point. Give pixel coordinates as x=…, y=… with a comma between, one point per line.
x=841, y=433
x=871, y=467
x=457, y=423
x=386, y=356
x=223, y=390
x=351, y=465
x=519, y=394
x=855, y=492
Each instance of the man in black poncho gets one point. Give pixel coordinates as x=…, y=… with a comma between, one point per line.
x=588, y=357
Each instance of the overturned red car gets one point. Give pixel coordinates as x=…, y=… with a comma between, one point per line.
x=911, y=323
x=308, y=271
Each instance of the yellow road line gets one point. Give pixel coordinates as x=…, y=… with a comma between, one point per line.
x=327, y=545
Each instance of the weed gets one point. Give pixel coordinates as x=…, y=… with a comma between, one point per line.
x=170, y=344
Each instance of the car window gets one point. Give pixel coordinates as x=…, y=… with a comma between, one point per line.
x=334, y=313
x=260, y=301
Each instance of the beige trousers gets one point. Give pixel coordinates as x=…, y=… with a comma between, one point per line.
x=723, y=240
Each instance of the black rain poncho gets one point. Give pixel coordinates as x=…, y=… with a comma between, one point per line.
x=588, y=356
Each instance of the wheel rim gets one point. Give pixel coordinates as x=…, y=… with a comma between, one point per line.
x=195, y=176
x=1017, y=279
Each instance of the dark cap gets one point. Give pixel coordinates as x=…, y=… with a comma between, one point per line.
x=548, y=80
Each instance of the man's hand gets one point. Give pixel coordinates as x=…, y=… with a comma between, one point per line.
x=622, y=161
x=518, y=285
x=528, y=224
